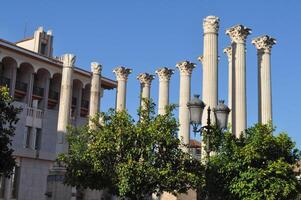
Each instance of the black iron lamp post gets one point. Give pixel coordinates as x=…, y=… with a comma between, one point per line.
x=196, y=107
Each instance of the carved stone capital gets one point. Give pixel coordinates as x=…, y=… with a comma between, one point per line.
x=164, y=73
x=96, y=68
x=228, y=52
x=68, y=60
x=211, y=24
x=145, y=78
x=201, y=59
x=185, y=67
x=122, y=73
x=238, y=33
x=264, y=43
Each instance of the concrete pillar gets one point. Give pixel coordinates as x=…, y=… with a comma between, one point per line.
x=228, y=52
x=95, y=89
x=13, y=81
x=264, y=45
x=164, y=75
x=210, y=64
x=65, y=102
x=238, y=35
x=30, y=89
x=185, y=69
x=122, y=74
x=145, y=80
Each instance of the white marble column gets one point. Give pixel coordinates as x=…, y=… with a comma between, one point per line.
x=238, y=35
x=164, y=75
x=264, y=45
x=121, y=76
x=228, y=52
x=65, y=102
x=145, y=80
x=185, y=69
x=210, y=64
x=95, y=89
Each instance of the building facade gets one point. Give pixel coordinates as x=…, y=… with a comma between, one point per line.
x=34, y=78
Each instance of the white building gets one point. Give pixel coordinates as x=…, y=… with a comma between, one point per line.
x=34, y=77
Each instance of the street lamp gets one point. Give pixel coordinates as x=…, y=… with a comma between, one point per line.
x=196, y=107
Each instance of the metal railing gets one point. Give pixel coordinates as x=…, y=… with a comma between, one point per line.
x=85, y=104
x=38, y=91
x=53, y=95
x=21, y=86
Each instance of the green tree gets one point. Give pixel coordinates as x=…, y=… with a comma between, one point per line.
x=8, y=120
x=131, y=159
x=256, y=166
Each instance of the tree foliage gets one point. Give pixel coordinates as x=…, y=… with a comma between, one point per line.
x=131, y=159
x=8, y=120
x=256, y=166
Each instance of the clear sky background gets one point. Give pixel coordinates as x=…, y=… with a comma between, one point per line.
x=145, y=35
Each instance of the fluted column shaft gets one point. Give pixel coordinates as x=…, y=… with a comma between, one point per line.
x=145, y=83
x=210, y=63
x=184, y=97
x=164, y=75
x=228, y=52
x=95, y=89
x=238, y=35
x=121, y=76
x=264, y=46
x=65, y=102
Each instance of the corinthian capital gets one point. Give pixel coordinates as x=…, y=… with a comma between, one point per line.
x=264, y=43
x=145, y=78
x=122, y=73
x=68, y=60
x=164, y=73
x=228, y=52
x=96, y=68
x=185, y=67
x=211, y=24
x=201, y=59
x=238, y=33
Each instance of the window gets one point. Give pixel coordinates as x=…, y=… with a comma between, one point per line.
x=38, y=139
x=15, y=182
x=43, y=48
x=2, y=186
x=27, y=137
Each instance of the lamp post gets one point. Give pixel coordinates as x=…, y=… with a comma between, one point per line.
x=196, y=107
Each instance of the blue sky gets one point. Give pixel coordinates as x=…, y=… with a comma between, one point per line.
x=145, y=35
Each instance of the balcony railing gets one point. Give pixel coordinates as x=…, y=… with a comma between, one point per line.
x=53, y=95
x=85, y=104
x=38, y=91
x=21, y=86
x=4, y=81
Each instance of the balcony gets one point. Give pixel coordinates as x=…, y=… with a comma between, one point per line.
x=37, y=92
x=20, y=89
x=53, y=98
x=4, y=81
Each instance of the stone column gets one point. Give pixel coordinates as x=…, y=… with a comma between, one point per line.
x=228, y=52
x=145, y=83
x=95, y=89
x=264, y=45
x=185, y=69
x=65, y=102
x=238, y=35
x=164, y=75
x=210, y=64
x=122, y=74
